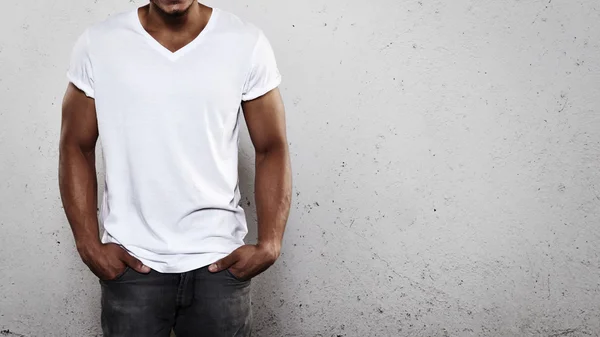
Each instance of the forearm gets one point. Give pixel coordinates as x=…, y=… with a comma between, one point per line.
x=78, y=189
x=273, y=191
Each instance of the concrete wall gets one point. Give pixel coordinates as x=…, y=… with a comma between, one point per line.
x=445, y=168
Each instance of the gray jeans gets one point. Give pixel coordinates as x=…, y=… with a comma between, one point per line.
x=197, y=303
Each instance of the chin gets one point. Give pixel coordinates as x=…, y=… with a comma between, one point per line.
x=174, y=7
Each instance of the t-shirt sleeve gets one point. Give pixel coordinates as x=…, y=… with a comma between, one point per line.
x=264, y=75
x=80, y=68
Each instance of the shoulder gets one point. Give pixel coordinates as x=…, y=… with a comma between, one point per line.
x=111, y=26
x=232, y=25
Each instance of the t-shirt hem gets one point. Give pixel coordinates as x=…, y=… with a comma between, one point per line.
x=176, y=262
x=89, y=92
x=258, y=92
x=202, y=260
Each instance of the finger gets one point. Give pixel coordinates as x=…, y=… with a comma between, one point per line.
x=223, y=263
x=134, y=263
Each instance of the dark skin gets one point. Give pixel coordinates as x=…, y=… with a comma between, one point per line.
x=273, y=187
x=265, y=117
x=174, y=24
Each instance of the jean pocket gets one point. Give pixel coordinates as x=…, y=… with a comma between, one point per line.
x=234, y=277
x=119, y=277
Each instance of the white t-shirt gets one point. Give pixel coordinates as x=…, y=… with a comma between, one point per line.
x=168, y=125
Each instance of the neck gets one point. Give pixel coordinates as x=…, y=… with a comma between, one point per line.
x=158, y=18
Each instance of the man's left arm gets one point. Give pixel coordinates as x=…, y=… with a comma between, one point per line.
x=265, y=117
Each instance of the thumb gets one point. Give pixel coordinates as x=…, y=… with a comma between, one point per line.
x=135, y=264
x=223, y=263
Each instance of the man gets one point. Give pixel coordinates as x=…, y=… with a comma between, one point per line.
x=161, y=87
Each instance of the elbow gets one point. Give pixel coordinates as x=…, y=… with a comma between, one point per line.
x=272, y=149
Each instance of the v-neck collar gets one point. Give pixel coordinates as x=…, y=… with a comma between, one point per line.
x=173, y=56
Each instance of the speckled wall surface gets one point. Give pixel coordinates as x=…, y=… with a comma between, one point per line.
x=446, y=169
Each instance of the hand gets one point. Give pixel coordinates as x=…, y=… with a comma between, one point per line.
x=247, y=261
x=108, y=261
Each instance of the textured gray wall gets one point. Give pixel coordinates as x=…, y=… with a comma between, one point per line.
x=445, y=168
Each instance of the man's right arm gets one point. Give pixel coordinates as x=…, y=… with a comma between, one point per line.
x=77, y=167
x=79, y=186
